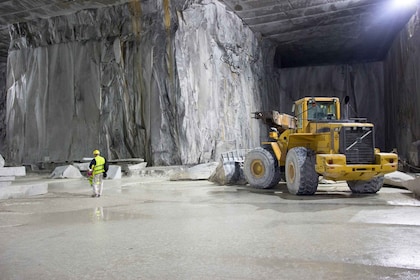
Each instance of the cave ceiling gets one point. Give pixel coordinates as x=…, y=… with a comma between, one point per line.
x=314, y=32
x=306, y=32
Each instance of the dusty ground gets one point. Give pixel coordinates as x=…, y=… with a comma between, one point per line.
x=151, y=228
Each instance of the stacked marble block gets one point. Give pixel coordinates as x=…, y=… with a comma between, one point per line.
x=10, y=189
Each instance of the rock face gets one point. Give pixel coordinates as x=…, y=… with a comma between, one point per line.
x=402, y=88
x=175, y=82
x=93, y=80
x=128, y=81
x=221, y=71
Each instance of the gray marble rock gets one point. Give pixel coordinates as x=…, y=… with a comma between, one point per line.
x=172, y=88
x=114, y=172
x=400, y=179
x=228, y=173
x=197, y=172
x=177, y=86
x=66, y=171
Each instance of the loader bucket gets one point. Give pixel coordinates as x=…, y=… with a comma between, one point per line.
x=230, y=169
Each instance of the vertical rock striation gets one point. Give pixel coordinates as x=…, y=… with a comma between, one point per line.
x=220, y=69
x=94, y=79
x=402, y=88
x=135, y=80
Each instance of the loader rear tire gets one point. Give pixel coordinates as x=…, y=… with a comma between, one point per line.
x=261, y=169
x=367, y=187
x=301, y=177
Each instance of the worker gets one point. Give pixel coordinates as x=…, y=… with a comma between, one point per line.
x=99, y=167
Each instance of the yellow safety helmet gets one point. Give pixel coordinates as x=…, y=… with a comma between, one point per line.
x=96, y=152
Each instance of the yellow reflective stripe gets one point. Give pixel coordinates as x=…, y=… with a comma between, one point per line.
x=100, y=165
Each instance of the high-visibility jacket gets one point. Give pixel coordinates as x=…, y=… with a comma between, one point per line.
x=98, y=165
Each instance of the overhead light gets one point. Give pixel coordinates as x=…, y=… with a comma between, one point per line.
x=404, y=3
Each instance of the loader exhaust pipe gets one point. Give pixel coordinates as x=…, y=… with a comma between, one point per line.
x=346, y=102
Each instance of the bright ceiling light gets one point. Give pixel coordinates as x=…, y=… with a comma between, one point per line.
x=404, y=3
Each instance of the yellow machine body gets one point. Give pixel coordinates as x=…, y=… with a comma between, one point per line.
x=317, y=125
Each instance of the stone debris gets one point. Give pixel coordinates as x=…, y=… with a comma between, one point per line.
x=230, y=169
x=228, y=174
x=10, y=190
x=114, y=172
x=196, y=172
x=404, y=180
x=66, y=171
x=322, y=180
x=84, y=166
x=135, y=169
x=12, y=171
x=23, y=190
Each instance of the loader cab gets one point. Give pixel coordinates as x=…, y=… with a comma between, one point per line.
x=316, y=109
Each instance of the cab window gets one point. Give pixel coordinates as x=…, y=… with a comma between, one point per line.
x=321, y=110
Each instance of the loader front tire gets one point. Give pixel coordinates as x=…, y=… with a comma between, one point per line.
x=301, y=177
x=366, y=187
x=261, y=169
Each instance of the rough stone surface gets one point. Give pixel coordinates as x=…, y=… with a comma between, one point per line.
x=170, y=88
x=400, y=179
x=228, y=173
x=84, y=166
x=134, y=169
x=197, y=172
x=402, y=88
x=114, y=172
x=13, y=171
x=66, y=171
x=176, y=84
x=221, y=75
x=5, y=183
x=7, y=178
x=111, y=69
x=3, y=110
x=23, y=190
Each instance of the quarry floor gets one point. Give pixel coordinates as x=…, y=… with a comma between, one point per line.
x=152, y=228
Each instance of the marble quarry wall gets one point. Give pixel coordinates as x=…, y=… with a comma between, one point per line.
x=3, y=68
x=169, y=83
x=223, y=78
x=402, y=88
x=175, y=82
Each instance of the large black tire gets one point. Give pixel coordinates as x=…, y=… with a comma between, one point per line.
x=261, y=169
x=367, y=187
x=301, y=177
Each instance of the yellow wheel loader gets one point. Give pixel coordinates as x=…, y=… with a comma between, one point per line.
x=314, y=142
